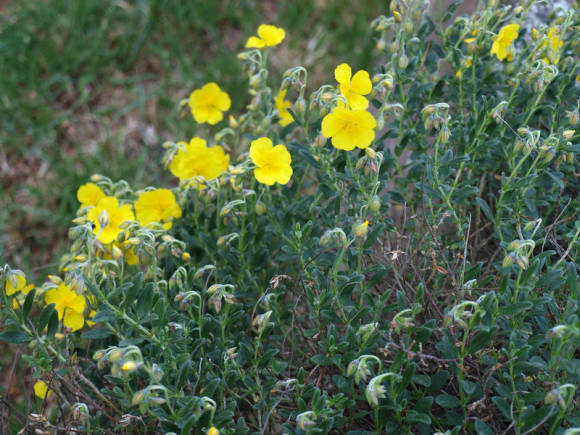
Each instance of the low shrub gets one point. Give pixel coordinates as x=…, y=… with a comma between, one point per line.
x=393, y=252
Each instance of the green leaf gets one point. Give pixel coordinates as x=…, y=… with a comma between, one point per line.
x=52, y=324
x=447, y=401
x=44, y=317
x=15, y=337
x=478, y=342
x=96, y=334
x=104, y=316
x=28, y=303
x=485, y=208
x=417, y=417
x=481, y=428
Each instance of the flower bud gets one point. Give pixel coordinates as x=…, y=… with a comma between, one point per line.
x=55, y=279
x=260, y=208
x=444, y=135
x=508, y=261
x=398, y=17
x=361, y=229
x=568, y=134
x=103, y=219
x=371, y=154
x=116, y=252
x=115, y=355
x=99, y=354
x=300, y=105
x=375, y=204
x=232, y=122
x=138, y=397
x=403, y=61
x=129, y=366
x=186, y=256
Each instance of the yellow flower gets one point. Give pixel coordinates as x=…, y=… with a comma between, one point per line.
x=470, y=40
x=68, y=304
x=353, y=90
x=208, y=104
x=268, y=36
x=89, y=194
x=282, y=106
x=16, y=282
x=553, y=43
x=197, y=159
x=213, y=431
x=107, y=216
x=127, y=250
x=349, y=128
x=272, y=162
x=41, y=390
x=157, y=206
x=504, y=40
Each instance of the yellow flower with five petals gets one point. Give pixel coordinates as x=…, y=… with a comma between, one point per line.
x=208, y=104
x=272, y=162
x=157, y=206
x=107, y=217
x=197, y=159
x=349, y=128
x=268, y=36
x=353, y=87
x=68, y=304
x=282, y=108
x=504, y=39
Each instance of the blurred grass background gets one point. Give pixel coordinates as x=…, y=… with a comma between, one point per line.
x=93, y=86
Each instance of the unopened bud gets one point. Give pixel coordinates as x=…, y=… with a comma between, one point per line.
x=129, y=366
x=508, y=261
x=115, y=355
x=117, y=253
x=371, y=154
x=55, y=279
x=232, y=121
x=568, y=134
x=403, y=61
x=361, y=229
x=103, y=219
x=300, y=105
x=260, y=208
x=185, y=256
x=375, y=204
x=138, y=397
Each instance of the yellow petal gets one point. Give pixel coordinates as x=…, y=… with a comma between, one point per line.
x=331, y=124
x=271, y=35
x=342, y=74
x=73, y=319
x=41, y=390
x=357, y=102
x=254, y=42
x=361, y=83
x=258, y=149
x=89, y=194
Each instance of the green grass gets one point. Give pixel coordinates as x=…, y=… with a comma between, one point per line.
x=92, y=86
